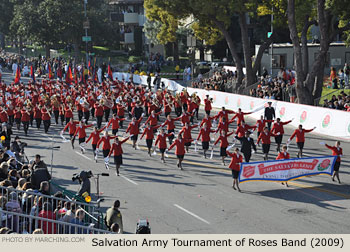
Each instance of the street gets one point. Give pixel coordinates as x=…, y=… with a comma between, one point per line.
x=200, y=198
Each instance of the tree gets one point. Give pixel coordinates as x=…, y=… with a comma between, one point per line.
x=332, y=19
x=218, y=15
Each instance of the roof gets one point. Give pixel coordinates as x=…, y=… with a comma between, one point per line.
x=286, y=45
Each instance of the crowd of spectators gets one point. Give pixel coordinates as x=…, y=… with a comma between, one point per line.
x=340, y=102
x=219, y=81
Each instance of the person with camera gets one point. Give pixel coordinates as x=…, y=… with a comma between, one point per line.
x=17, y=148
x=84, y=179
x=113, y=215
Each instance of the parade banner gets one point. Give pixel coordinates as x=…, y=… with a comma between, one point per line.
x=286, y=169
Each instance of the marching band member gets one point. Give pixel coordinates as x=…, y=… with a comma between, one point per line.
x=300, y=139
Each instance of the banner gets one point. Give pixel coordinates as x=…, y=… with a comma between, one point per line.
x=286, y=169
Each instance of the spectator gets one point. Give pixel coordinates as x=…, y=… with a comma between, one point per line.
x=47, y=213
x=39, y=175
x=78, y=220
x=113, y=215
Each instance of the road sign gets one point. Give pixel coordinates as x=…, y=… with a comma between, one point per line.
x=269, y=34
x=92, y=54
x=86, y=24
x=87, y=38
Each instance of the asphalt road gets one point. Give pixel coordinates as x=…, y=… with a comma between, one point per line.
x=200, y=198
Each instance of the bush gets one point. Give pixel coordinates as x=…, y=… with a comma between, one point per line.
x=134, y=59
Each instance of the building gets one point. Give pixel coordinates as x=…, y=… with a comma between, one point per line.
x=130, y=16
x=283, y=56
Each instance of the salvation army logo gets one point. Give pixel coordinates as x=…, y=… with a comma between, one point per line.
x=282, y=112
x=239, y=103
x=226, y=100
x=248, y=171
x=326, y=121
x=324, y=165
x=251, y=104
x=303, y=116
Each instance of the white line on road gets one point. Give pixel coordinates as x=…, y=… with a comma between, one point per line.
x=83, y=155
x=131, y=181
x=190, y=213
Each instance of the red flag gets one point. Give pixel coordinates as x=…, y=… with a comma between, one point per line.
x=18, y=75
x=110, y=74
x=69, y=76
x=32, y=75
x=90, y=68
x=50, y=72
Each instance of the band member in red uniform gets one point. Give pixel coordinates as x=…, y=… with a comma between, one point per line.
x=223, y=125
x=240, y=116
x=117, y=152
x=161, y=141
x=243, y=128
x=207, y=105
x=115, y=123
x=180, y=149
x=95, y=136
x=80, y=131
x=106, y=145
x=149, y=136
x=68, y=113
x=278, y=128
x=205, y=133
x=46, y=118
x=207, y=120
x=235, y=166
x=17, y=117
x=336, y=151
x=223, y=144
x=98, y=114
x=265, y=138
x=170, y=122
x=186, y=130
x=72, y=126
x=261, y=124
x=300, y=133
x=134, y=130
x=25, y=120
x=283, y=155
x=153, y=118
x=224, y=114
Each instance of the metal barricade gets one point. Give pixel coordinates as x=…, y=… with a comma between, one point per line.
x=28, y=199
x=23, y=224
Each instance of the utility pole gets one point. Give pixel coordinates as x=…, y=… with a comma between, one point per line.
x=272, y=43
x=86, y=32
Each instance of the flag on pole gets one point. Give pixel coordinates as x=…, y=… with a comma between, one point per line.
x=69, y=76
x=32, y=75
x=50, y=71
x=110, y=74
x=75, y=75
x=18, y=75
x=90, y=68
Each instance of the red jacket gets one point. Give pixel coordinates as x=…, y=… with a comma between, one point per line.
x=180, y=146
x=95, y=136
x=115, y=123
x=241, y=130
x=205, y=133
x=161, y=139
x=260, y=124
x=152, y=119
x=225, y=114
x=223, y=139
x=134, y=127
x=187, y=131
x=235, y=161
x=149, y=132
x=207, y=121
x=98, y=110
x=265, y=138
x=207, y=105
x=170, y=123
x=116, y=148
x=72, y=127
x=335, y=151
x=25, y=116
x=300, y=135
x=283, y=155
x=106, y=145
x=47, y=227
x=45, y=116
x=240, y=117
x=81, y=131
x=186, y=118
x=68, y=113
x=278, y=127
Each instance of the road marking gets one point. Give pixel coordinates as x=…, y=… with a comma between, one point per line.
x=46, y=136
x=190, y=213
x=80, y=154
x=131, y=181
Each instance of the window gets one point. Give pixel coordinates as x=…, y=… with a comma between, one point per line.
x=279, y=61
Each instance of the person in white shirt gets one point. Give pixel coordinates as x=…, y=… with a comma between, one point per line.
x=14, y=68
